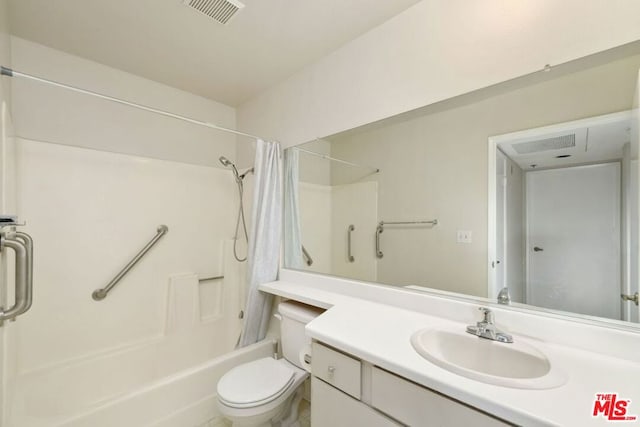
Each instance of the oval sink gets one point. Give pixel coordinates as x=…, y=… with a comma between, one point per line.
x=517, y=365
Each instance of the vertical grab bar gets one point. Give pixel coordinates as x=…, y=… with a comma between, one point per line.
x=21, y=289
x=379, y=230
x=350, y=257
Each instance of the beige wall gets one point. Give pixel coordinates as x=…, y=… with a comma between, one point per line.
x=354, y=204
x=433, y=51
x=5, y=49
x=50, y=114
x=6, y=195
x=315, y=203
x=435, y=166
x=314, y=169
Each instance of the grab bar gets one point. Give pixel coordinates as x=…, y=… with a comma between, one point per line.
x=208, y=279
x=21, y=303
x=28, y=243
x=432, y=222
x=350, y=257
x=306, y=256
x=100, y=294
x=380, y=229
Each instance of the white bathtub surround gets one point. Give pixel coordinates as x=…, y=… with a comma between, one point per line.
x=185, y=399
x=375, y=323
x=264, y=240
x=291, y=215
x=89, y=212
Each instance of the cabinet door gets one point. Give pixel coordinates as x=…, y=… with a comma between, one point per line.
x=332, y=408
x=414, y=405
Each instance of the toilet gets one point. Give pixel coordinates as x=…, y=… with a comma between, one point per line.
x=266, y=392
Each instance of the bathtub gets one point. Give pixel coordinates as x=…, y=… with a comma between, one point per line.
x=71, y=397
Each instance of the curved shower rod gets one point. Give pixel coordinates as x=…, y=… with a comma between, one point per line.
x=5, y=71
x=333, y=159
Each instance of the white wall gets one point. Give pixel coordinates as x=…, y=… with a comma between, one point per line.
x=435, y=166
x=433, y=51
x=45, y=113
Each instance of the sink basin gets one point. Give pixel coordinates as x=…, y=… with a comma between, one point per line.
x=517, y=365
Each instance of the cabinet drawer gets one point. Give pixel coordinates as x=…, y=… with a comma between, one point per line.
x=337, y=369
x=415, y=405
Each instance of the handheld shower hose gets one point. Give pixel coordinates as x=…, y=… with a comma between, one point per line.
x=240, y=217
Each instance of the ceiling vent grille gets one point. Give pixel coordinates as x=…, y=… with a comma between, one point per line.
x=555, y=143
x=220, y=10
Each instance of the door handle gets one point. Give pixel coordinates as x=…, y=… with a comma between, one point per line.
x=537, y=249
x=21, y=302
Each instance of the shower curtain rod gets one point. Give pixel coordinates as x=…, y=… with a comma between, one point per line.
x=333, y=159
x=4, y=71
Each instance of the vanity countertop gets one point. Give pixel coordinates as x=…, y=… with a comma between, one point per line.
x=380, y=333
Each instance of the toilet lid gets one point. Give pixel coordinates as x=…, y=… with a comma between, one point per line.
x=255, y=383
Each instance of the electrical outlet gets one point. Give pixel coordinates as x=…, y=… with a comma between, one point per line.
x=463, y=236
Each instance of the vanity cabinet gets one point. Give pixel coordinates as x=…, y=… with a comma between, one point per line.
x=332, y=408
x=346, y=392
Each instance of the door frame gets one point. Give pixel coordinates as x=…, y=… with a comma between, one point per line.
x=493, y=142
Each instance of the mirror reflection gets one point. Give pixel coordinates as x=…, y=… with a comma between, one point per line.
x=528, y=187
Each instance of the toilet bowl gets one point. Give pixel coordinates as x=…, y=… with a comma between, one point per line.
x=258, y=392
x=266, y=392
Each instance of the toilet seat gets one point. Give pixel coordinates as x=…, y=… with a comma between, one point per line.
x=268, y=380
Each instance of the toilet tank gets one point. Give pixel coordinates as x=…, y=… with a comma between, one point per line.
x=295, y=316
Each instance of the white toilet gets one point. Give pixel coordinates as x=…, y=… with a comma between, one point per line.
x=266, y=392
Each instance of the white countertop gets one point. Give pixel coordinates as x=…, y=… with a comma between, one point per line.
x=380, y=334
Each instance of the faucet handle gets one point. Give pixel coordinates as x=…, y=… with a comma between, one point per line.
x=488, y=315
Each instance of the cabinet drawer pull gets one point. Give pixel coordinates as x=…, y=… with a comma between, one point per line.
x=331, y=369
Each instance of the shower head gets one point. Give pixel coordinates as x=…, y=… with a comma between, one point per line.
x=225, y=162
x=228, y=163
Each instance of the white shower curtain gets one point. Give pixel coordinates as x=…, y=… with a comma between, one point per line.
x=264, y=240
x=292, y=239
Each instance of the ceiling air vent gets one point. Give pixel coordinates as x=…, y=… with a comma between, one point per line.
x=220, y=10
x=555, y=143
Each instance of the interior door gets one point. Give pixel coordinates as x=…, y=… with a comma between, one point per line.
x=634, y=312
x=573, y=239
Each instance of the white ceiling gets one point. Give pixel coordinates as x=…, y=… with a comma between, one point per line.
x=599, y=139
x=166, y=41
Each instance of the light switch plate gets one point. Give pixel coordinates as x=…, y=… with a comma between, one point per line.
x=463, y=236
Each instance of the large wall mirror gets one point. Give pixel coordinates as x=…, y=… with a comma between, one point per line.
x=530, y=187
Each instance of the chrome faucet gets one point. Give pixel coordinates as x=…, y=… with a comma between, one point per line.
x=487, y=329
